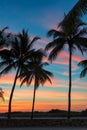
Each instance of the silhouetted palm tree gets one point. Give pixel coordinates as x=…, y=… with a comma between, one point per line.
x=21, y=51
x=83, y=64
x=74, y=16
x=1, y=94
x=35, y=72
x=74, y=40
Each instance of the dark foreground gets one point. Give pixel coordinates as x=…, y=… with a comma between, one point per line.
x=45, y=128
x=4, y=123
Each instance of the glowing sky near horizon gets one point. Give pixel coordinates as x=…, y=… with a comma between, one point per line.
x=39, y=16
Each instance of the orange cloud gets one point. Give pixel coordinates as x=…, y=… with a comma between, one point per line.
x=8, y=79
x=45, y=100
x=42, y=106
x=65, y=55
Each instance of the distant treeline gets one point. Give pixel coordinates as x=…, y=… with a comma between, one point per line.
x=51, y=113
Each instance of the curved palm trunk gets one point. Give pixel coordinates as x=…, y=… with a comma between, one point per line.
x=33, y=101
x=70, y=83
x=11, y=95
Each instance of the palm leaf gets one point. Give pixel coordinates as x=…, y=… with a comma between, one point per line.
x=57, y=42
x=1, y=94
x=55, y=33
x=83, y=73
x=32, y=42
x=1, y=31
x=8, y=68
x=83, y=63
x=80, y=48
x=73, y=17
x=44, y=64
x=6, y=54
x=82, y=41
x=53, y=54
x=35, y=39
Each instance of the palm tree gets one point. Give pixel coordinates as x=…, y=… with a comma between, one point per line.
x=1, y=94
x=74, y=16
x=83, y=64
x=35, y=72
x=74, y=40
x=21, y=51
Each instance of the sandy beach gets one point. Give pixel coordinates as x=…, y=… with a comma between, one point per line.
x=45, y=128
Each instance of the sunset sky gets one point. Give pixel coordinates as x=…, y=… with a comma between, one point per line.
x=39, y=16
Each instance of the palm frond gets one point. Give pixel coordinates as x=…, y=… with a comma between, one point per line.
x=55, y=43
x=83, y=73
x=6, y=54
x=80, y=48
x=5, y=63
x=51, y=45
x=82, y=41
x=73, y=17
x=44, y=64
x=26, y=78
x=4, y=29
x=8, y=68
x=82, y=32
x=81, y=24
x=24, y=38
x=48, y=75
x=32, y=42
x=77, y=30
x=55, y=33
x=83, y=63
x=39, y=54
x=1, y=94
x=35, y=39
x=53, y=54
x=1, y=31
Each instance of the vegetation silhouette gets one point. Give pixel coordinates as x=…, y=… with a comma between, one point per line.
x=74, y=40
x=70, y=21
x=83, y=64
x=2, y=94
x=35, y=72
x=21, y=51
x=20, y=55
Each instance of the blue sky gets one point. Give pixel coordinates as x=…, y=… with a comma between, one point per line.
x=34, y=15
x=39, y=16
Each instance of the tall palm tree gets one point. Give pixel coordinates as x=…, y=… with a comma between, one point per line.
x=74, y=40
x=83, y=64
x=21, y=51
x=35, y=72
x=1, y=94
x=71, y=19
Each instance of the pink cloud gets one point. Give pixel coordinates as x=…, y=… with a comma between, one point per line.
x=65, y=55
x=63, y=59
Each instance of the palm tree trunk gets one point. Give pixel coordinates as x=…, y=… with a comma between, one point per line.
x=70, y=83
x=11, y=95
x=33, y=102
